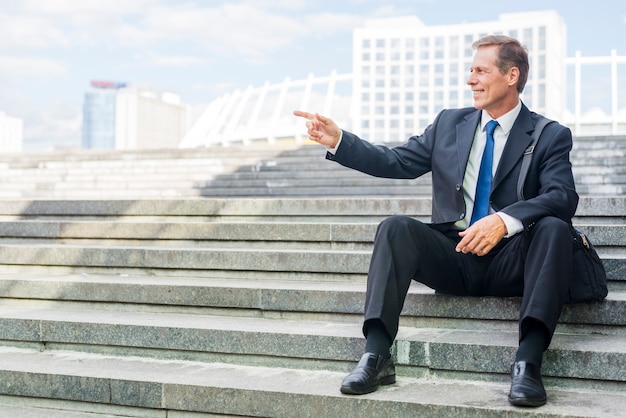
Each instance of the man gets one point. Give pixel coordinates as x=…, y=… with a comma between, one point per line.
x=513, y=248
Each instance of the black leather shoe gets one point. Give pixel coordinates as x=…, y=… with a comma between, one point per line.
x=526, y=386
x=372, y=370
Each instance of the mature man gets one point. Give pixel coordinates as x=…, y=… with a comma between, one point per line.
x=483, y=240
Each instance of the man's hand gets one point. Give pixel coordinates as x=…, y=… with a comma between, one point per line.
x=482, y=236
x=321, y=129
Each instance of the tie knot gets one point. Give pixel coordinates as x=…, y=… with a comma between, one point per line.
x=491, y=126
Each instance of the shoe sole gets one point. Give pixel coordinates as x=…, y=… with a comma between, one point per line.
x=527, y=402
x=347, y=390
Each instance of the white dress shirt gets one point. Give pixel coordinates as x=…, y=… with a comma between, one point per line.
x=500, y=136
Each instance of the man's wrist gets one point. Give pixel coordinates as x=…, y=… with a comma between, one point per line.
x=513, y=225
x=333, y=150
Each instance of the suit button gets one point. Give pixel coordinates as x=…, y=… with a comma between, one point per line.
x=462, y=216
x=458, y=187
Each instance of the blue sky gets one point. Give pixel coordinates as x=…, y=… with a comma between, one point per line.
x=50, y=50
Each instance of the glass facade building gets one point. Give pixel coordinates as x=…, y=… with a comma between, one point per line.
x=99, y=119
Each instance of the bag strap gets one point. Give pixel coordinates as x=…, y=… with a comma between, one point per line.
x=528, y=155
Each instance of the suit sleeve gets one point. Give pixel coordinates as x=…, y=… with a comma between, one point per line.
x=407, y=161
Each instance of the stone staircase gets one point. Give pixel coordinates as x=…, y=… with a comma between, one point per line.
x=232, y=305
x=285, y=169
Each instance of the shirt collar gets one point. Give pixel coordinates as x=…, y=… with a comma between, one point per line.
x=505, y=121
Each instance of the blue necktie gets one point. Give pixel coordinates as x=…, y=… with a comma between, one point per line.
x=483, y=185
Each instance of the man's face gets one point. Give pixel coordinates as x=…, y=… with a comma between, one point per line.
x=493, y=91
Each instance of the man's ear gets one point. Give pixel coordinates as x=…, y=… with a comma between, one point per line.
x=513, y=76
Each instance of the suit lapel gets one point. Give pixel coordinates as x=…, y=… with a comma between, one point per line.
x=519, y=139
x=464, y=138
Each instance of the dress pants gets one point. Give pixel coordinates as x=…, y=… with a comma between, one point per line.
x=535, y=264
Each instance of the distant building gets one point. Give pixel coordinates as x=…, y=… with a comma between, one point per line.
x=119, y=117
x=11, y=133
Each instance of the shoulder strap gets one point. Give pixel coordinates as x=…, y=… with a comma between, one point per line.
x=528, y=155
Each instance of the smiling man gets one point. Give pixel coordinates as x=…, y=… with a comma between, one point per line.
x=483, y=240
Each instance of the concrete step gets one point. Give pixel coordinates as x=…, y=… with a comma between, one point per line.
x=171, y=386
x=577, y=360
x=160, y=260
x=210, y=233
x=340, y=300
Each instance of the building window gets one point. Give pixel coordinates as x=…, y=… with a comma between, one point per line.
x=542, y=66
x=528, y=36
x=366, y=43
x=542, y=38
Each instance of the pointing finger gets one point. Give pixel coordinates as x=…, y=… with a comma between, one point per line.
x=303, y=114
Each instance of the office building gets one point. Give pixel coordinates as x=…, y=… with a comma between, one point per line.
x=116, y=116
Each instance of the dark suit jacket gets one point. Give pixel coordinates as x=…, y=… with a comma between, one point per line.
x=444, y=148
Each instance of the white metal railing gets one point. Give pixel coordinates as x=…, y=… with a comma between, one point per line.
x=594, y=122
x=237, y=117
x=264, y=113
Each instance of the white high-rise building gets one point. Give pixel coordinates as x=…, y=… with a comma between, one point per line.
x=406, y=72
x=119, y=117
x=11, y=133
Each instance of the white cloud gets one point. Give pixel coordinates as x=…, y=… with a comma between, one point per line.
x=85, y=11
x=12, y=68
x=176, y=61
x=29, y=32
x=249, y=28
x=330, y=23
x=230, y=28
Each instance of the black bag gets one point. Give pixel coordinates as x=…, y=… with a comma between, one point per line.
x=589, y=280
